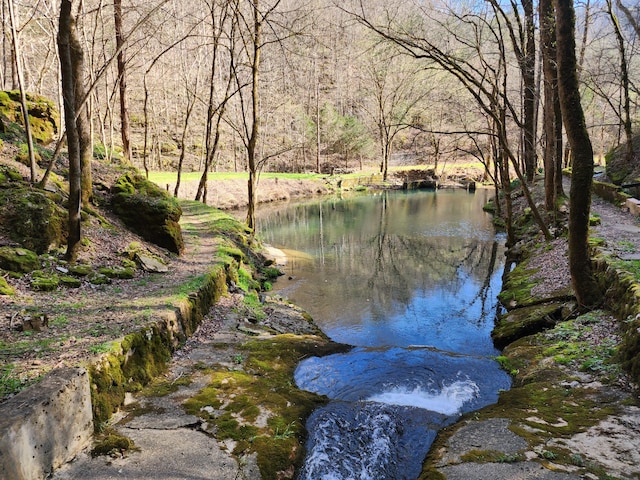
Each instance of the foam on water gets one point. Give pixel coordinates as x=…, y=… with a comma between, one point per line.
x=448, y=401
x=360, y=448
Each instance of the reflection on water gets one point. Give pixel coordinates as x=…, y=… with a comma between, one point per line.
x=410, y=279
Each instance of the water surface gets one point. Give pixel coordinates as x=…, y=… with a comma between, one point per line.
x=409, y=279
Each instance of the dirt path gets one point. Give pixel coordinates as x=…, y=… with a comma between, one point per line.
x=82, y=321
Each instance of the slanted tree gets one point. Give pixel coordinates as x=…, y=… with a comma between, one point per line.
x=23, y=94
x=586, y=289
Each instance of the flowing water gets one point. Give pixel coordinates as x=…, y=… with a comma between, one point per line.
x=409, y=279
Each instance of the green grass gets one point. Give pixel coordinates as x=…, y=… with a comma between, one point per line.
x=162, y=178
x=9, y=384
x=100, y=348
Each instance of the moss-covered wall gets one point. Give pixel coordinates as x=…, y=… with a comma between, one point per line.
x=622, y=296
x=143, y=355
x=610, y=192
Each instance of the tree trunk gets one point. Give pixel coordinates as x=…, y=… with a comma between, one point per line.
x=23, y=93
x=586, y=289
x=529, y=81
x=552, y=116
x=82, y=123
x=65, y=32
x=122, y=80
x=255, y=117
x=625, y=115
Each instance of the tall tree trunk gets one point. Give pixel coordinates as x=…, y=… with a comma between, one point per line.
x=586, y=289
x=624, y=83
x=122, y=80
x=82, y=123
x=552, y=116
x=255, y=117
x=23, y=93
x=529, y=81
x=65, y=32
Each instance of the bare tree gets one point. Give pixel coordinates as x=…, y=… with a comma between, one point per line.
x=395, y=88
x=482, y=74
x=122, y=81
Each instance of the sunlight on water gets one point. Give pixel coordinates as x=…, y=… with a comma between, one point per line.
x=448, y=401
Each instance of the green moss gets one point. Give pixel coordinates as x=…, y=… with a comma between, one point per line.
x=161, y=388
x=516, y=290
x=18, y=259
x=44, y=282
x=71, y=282
x=111, y=442
x=133, y=363
x=490, y=456
x=117, y=272
x=148, y=210
x=97, y=278
x=5, y=288
x=80, y=269
x=43, y=116
x=33, y=217
x=237, y=398
x=524, y=321
x=148, y=353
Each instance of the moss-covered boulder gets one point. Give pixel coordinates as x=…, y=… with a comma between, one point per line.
x=520, y=322
x=149, y=211
x=33, y=218
x=20, y=260
x=44, y=118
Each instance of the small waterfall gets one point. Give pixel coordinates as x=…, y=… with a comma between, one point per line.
x=388, y=406
x=448, y=401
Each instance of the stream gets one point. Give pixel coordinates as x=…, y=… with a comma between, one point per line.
x=410, y=279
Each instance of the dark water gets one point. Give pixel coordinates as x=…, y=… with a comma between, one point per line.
x=410, y=279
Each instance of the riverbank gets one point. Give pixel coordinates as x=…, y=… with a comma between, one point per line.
x=228, y=191
x=588, y=401
x=573, y=410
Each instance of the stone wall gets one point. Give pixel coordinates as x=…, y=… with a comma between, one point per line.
x=46, y=425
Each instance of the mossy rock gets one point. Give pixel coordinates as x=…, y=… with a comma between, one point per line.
x=118, y=272
x=149, y=211
x=5, y=288
x=33, y=218
x=44, y=118
x=45, y=282
x=97, y=278
x=18, y=259
x=71, y=282
x=521, y=322
x=9, y=177
x=82, y=270
x=112, y=443
x=619, y=169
